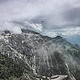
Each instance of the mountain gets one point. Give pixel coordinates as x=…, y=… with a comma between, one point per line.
x=74, y=39
x=37, y=56
x=77, y=46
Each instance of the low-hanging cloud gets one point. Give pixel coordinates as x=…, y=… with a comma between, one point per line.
x=40, y=15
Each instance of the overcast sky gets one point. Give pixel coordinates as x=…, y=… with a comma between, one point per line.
x=49, y=17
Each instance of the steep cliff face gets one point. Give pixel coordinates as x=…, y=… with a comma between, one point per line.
x=41, y=55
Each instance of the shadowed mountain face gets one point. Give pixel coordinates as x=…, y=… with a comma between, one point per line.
x=41, y=55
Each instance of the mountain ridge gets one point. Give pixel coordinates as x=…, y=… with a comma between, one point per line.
x=41, y=55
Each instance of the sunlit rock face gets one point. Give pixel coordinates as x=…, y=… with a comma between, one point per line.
x=42, y=55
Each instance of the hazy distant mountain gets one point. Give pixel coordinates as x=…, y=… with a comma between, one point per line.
x=74, y=39
x=77, y=46
x=39, y=55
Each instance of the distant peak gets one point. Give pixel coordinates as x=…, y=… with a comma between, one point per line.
x=58, y=37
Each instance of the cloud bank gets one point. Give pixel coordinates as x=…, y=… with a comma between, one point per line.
x=49, y=17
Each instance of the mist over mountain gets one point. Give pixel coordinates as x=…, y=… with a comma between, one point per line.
x=74, y=39
x=39, y=56
x=50, y=18
x=39, y=40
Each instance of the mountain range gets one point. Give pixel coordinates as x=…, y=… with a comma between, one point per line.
x=32, y=56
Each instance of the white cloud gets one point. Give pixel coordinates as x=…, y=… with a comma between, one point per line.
x=10, y=26
x=50, y=33
x=51, y=12
x=35, y=26
x=39, y=27
x=17, y=30
x=71, y=31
